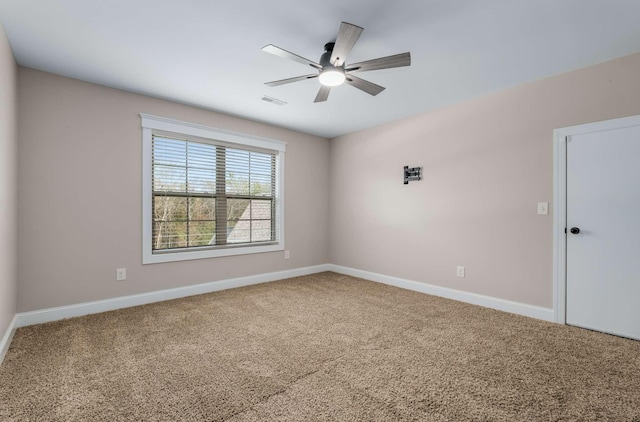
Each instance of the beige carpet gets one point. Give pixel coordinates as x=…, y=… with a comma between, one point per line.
x=320, y=347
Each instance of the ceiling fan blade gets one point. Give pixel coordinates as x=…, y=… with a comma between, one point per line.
x=289, y=55
x=347, y=37
x=323, y=94
x=398, y=60
x=289, y=80
x=366, y=86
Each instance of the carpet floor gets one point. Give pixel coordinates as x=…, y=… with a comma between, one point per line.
x=324, y=347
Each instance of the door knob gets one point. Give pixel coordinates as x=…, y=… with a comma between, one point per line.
x=574, y=230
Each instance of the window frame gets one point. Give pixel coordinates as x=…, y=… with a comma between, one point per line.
x=161, y=126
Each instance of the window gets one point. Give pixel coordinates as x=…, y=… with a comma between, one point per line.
x=209, y=193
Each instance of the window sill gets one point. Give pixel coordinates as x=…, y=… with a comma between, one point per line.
x=151, y=258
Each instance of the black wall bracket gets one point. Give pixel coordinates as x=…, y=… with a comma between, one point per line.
x=412, y=174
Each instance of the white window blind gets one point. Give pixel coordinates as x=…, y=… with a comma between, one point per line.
x=209, y=193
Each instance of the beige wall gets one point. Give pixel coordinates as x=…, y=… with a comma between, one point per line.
x=487, y=162
x=80, y=195
x=8, y=185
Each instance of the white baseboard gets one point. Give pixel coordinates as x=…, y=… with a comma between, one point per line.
x=23, y=319
x=7, y=337
x=545, y=314
x=54, y=314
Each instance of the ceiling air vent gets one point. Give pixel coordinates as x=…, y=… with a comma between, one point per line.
x=273, y=100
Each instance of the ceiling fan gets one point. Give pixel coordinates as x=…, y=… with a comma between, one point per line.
x=332, y=69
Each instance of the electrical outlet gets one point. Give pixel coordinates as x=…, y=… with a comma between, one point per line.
x=460, y=271
x=121, y=274
x=287, y=255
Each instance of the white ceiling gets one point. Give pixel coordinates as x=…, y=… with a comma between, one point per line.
x=207, y=52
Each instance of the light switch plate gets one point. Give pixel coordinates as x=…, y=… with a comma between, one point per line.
x=543, y=208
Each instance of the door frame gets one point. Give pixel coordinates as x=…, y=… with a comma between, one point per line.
x=560, y=203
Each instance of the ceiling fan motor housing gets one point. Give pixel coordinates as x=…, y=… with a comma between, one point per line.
x=325, y=59
x=330, y=75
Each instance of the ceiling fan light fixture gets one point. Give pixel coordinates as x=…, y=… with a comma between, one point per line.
x=332, y=76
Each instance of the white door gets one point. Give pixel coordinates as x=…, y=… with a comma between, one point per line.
x=603, y=231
